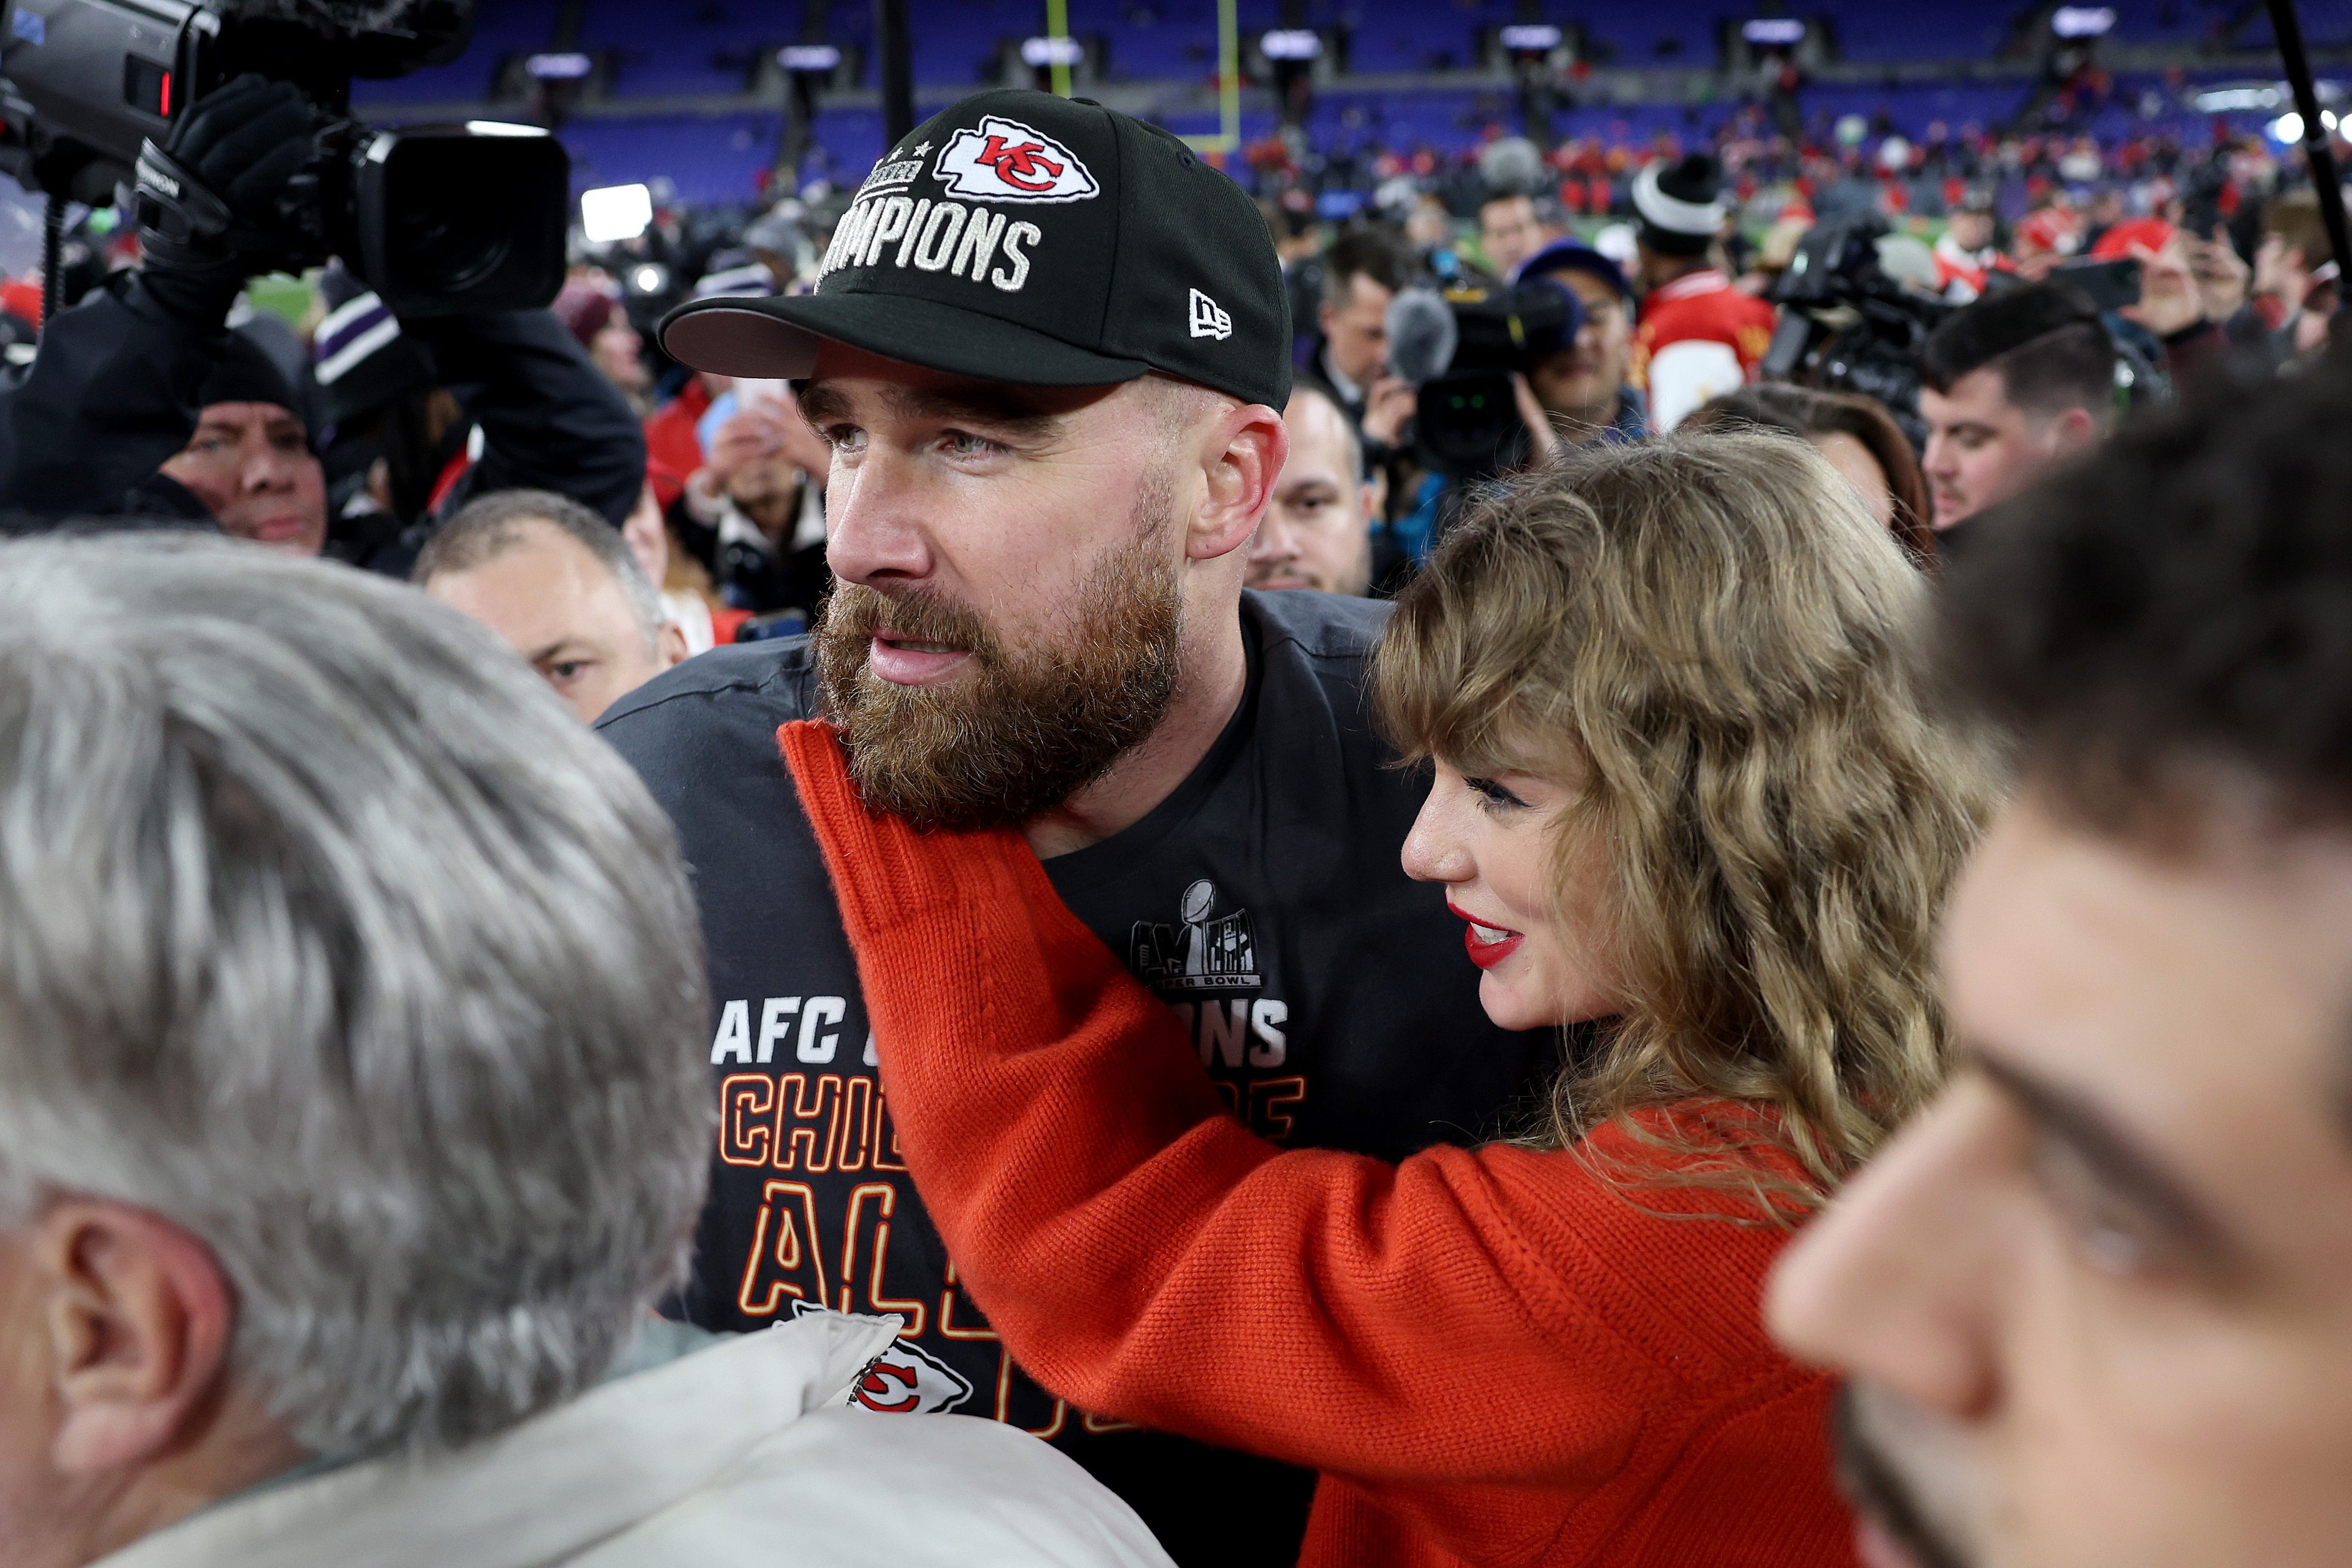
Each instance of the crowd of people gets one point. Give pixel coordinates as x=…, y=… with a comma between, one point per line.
x=820, y=927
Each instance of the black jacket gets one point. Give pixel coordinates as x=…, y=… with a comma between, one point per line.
x=113, y=394
x=107, y=401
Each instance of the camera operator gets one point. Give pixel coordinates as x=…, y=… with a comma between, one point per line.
x=248, y=463
x=1583, y=388
x=2015, y=385
x=128, y=405
x=429, y=414
x=1699, y=337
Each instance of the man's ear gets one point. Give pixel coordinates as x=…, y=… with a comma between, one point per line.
x=139, y=1317
x=2072, y=431
x=670, y=647
x=1242, y=455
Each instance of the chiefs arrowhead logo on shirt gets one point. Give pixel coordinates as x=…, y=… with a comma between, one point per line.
x=1005, y=160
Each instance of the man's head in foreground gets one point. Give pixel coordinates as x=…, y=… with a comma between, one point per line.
x=350, y=1092
x=2096, y=1301
x=2016, y=385
x=250, y=460
x=1318, y=531
x=560, y=586
x=1050, y=443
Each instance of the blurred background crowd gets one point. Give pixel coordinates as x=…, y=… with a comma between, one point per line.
x=1856, y=171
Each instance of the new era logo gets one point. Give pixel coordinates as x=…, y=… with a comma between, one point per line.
x=1003, y=160
x=1209, y=318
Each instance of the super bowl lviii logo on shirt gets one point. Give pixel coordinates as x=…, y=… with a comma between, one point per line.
x=1204, y=951
x=1003, y=160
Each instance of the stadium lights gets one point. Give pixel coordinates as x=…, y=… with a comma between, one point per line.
x=2082, y=21
x=1290, y=43
x=2238, y=99
x=1773, y=32
x=2288, y=129
x=1052, y=51
x=558, y=67
x=808, y=57
x=1530, y=37
x=614, y=212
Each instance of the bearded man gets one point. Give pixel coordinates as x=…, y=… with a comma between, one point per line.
x=1049, y=352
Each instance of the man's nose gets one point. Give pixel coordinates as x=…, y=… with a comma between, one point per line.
x=272, y=470
x=872, y=530
x=1276, y=539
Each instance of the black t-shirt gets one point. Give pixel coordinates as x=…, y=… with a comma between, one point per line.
x=1262, y=900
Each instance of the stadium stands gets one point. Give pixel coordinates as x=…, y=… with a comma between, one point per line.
x=1407, y=84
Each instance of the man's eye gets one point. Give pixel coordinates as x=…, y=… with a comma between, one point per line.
x=2108, y=1231
x=843, y=437
x=964, y=443
x=565, y=671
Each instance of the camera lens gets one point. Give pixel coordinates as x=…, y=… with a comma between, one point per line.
x=454, y=234
x=460, y=218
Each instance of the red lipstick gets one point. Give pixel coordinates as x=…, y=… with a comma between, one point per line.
x=1486, y=952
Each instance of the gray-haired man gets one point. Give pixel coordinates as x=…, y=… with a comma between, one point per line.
x=352, y=1116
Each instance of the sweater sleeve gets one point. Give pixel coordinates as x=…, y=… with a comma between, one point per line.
x=1144, y=1255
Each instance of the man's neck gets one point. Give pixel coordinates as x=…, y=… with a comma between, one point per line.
x=1208, y=694
x=1687, y=266
x=242, y=1448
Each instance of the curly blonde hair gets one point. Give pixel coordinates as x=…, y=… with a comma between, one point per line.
x=1714, y=635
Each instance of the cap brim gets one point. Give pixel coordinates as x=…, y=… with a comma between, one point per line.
x=778, y=339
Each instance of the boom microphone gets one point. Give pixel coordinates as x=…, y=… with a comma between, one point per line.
x=1512, y=167
x=1422, y=334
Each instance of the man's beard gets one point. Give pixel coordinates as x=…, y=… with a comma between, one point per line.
x=1868, y=1476
x=1024, y=729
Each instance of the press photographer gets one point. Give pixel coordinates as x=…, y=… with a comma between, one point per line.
x=140, y=401
x=1467, y=352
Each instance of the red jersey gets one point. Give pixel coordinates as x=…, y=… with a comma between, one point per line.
x=673, y=451
x=1717, y=336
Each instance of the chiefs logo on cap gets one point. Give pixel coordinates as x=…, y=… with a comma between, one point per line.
x=1005, y=161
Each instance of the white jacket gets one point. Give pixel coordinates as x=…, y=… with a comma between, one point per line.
x=745, y=1452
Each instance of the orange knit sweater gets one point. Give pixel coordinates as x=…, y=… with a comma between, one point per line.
x=1492, y=1356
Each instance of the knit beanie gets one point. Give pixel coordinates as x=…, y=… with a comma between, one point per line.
x=246, y=373
x=584, y=309
x=360, y=358
x=1681, y=206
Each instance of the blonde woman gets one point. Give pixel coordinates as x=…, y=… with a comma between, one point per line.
x=1680, y=787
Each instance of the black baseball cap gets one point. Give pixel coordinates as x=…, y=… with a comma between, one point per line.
x=1019, y=237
